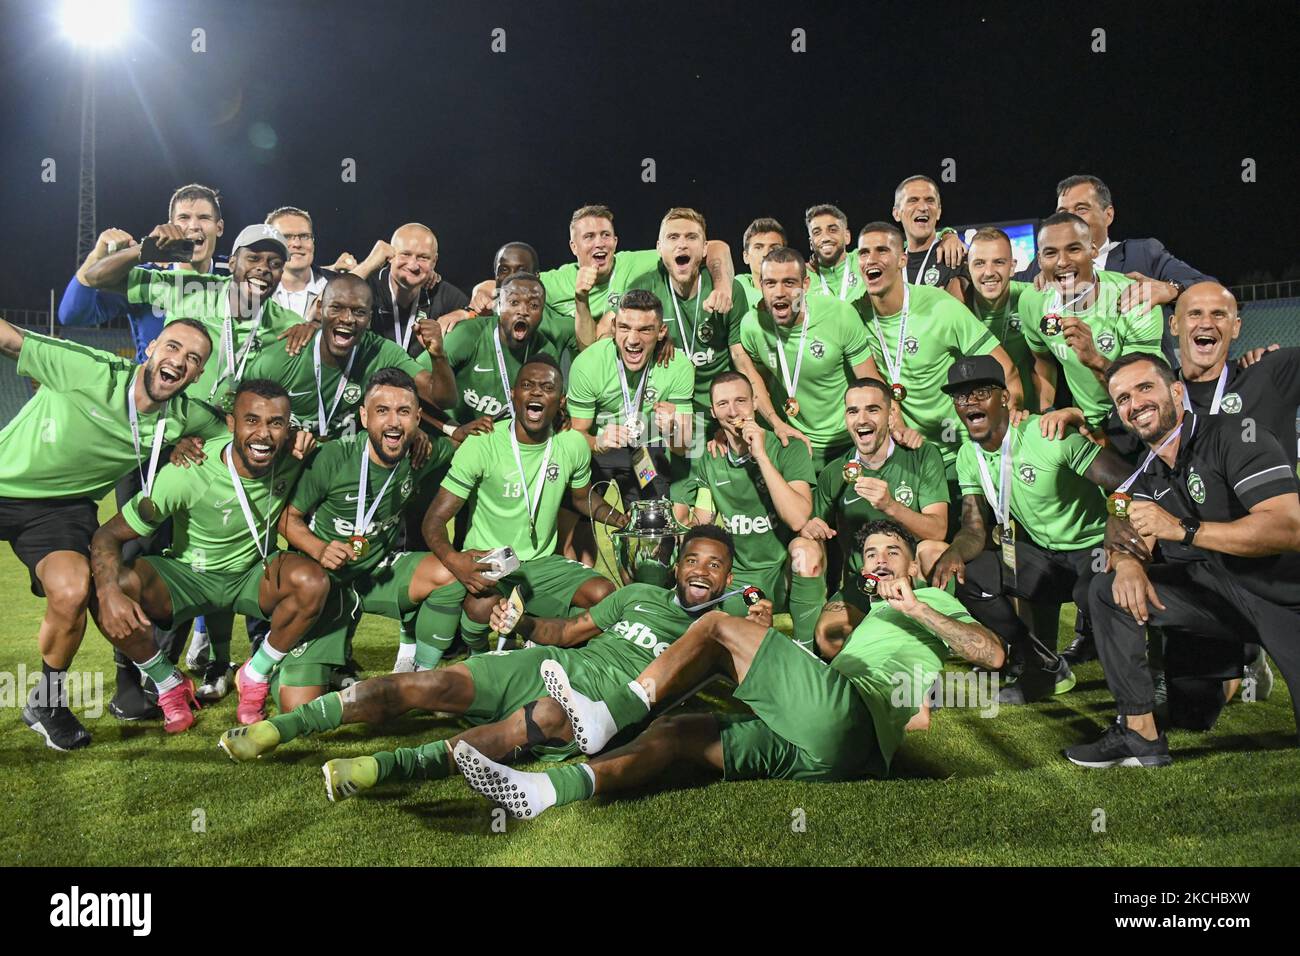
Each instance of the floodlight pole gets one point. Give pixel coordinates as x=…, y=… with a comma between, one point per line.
x=86, y=231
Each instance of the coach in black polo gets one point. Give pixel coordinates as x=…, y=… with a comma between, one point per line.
x=1225, y=514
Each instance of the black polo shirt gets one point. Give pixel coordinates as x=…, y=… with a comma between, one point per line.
x=1218, y=476
x=935, y=273
x=443, y=298
x=1268, y=391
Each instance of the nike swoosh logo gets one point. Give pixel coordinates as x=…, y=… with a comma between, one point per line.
x=1161, y=494
x=96, y=413
x=848, y=500
x=478, y=368
x=293, y=394
x=644, y=610
x=349, y=497
x=727, y=482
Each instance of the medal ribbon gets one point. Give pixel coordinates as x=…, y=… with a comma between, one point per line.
x=1128, y=482
x=1218, y=394
x=792, y=383
x=324, y=419
x=688, y=344
x=844, y=282
x=146, y=481
x=534, y=500
x=631, y=404
x=894, y=366
x=920, y=272
x=364, y=515
x=717, y=600
x=1060, y=306
x=247, y=509
x=228, y=346
x=857, y=456
x=402, y=338
x=999, y=501
x=501, y=368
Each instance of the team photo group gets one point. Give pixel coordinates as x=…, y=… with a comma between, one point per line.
x=823, y=465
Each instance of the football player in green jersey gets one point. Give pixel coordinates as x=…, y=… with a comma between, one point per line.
x=346, y=513
x=877, y=480
x=916, y=332
x=95, y=418
x=761, y=237
x=1077, y=319
x=994, y=297
x=1042, y=488
x=831, y=269
x=811, y=720
x=502, y=693
x=225, y=512
x=761, y=492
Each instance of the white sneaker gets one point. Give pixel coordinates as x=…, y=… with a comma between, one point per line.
x=1258, y=676
x=218, y=681
x=405, y=662
x=196, y=658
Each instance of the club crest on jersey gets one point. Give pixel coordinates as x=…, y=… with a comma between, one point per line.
x=1013, y=323
x=1106, y=341
x=408, y=485
x=904, y=495
x=352, y=393
x=612, y=301
x=279, y=488
x=818, y=348
x=705, y=331
x=651, y=394
x=1196, y=488
x=911, y=345
x=552, y=472
x=1027, y=474
x=1231, y=404
x=931, y=276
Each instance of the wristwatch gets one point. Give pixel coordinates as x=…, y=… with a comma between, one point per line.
x=1179, y=288
x=1190, y=527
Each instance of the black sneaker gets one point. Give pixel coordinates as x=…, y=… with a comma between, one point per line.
x=1121, y=747
x=130, y=702
x=1036, y=683
x=58, y=725
x=1082, y=648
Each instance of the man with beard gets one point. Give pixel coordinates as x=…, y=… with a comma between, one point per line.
x=346, y=514
x=876, y=480
x=409, y=296
x=994, y=298
x=95, y=418
x=627, y=405
x=225, y=511
x=1226, y=514
x=761, y=492
x=811, y=720
x=933, y=259
x=761, y=237
x=830, y=267
x=916, y=333
x=502, y=693
x=1050, y=482
x=809, y=348
x=1079, y=319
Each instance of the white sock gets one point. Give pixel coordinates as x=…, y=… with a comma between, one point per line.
x=406, y=652
x=255, y=673
x=641, y=693
x=171, y=682
x=590, y=773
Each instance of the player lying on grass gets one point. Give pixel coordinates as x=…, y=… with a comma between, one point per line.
x=502, y=692
x=224, y=511
x=812, y=720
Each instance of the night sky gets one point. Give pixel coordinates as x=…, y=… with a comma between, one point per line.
x=490, y=147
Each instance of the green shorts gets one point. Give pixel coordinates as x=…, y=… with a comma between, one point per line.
x=505, y=681
x=809, y=722
x=324, y=648
x=773, y=582
x=547, y=584
x=208, y=592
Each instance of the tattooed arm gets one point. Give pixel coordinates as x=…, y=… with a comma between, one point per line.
x=119, y=616
x=975, y=642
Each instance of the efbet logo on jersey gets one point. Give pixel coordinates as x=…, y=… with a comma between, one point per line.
x=1027, y=474
x=904, y=495
x=700, y=358
x=818, y=348
x=640, y=635
x=488, y=405
x=1231, y=404
x=744, y=524
x=1196, y=488
x=1106, y=342
x=912, y=345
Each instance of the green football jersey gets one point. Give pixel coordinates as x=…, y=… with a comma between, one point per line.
x=329, y=489
x=939, y=331
x=753, y=294
x=595, y=391
x=560, y=284
x=638, y=622
x=834, y=343
x=485, y=467
x=709, y=335
x=741, y=499
x=472, y=354
x=209, y=529
x=841, y=281
x=916, y=480
x=206, y=298
x=73, y=438
x=1114, y=333
x=892, y=660
x=1051, y=500
x=297, y=373
x=1004, y=323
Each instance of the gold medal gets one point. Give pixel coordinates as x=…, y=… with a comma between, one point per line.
x=1051, y=324
x=997, y=535
x=898, y=391
x=791, y=407
x=870, y=584
x=852, y=469
x=1117, y=504
x=359, y=546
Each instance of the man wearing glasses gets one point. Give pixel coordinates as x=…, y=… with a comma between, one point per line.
x=302, y=284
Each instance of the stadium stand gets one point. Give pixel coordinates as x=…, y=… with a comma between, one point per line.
x=15, y=390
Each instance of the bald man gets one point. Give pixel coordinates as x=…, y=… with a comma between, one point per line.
x=406, y=287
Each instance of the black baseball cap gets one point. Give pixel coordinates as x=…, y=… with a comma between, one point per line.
x=974, y=370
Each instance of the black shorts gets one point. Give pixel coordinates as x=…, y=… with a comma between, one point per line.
x=36, y=527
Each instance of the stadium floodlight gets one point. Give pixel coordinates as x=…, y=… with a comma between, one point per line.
x=94, y=23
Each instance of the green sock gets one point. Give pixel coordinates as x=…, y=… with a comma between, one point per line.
x=474, y=634
x=158, y=668
x=406, y=635
x=572, y=782
x=427, y=762
x=435, y=624
x=323, y=713
x=628, y=706
x=807, y=595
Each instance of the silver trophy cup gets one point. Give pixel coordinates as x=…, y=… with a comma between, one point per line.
x=646, y=549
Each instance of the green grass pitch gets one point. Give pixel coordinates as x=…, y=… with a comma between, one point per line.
x=969, y=791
